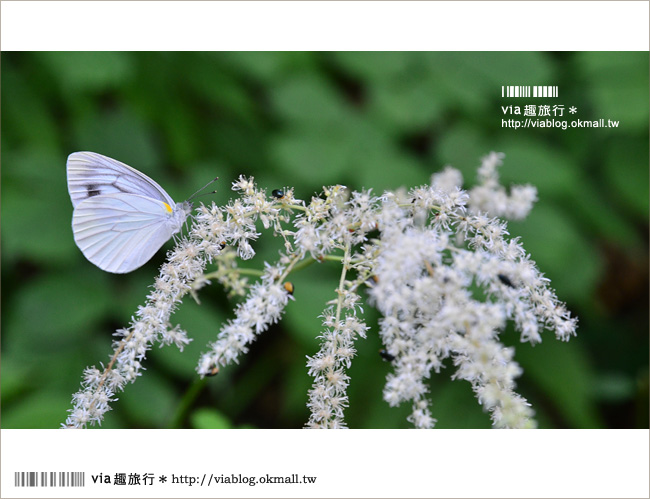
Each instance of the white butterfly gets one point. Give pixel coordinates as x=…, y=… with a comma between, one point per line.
x=121, y=217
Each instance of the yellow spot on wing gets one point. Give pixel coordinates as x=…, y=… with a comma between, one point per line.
x=169, y=208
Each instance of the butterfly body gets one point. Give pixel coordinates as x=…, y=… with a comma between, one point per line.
x=121, y=217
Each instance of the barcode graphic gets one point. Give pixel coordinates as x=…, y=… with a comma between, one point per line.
x=529, y=91
x=49, y=479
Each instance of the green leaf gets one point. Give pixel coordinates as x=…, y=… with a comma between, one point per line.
x=221, y=89
x=562, y=253
x=209, y=419
x=314, y=286
x=149, y=402
x=88, y=71
x=310, y=160
x=407, y=104
x=123, y=136
x=614, y=387
x=376, y=66
x=268, y=67
x=382, y=167
x=528, y=161
x=592, y=210
x=562, y=371
x=36, y=208
x=461, y=147
x=15, y=379
x=53, y=312
x=618, y=84
x=310, y=101
x=27, y=111
x=41, y=410
x=454, y=404
x=202, y=323
x=626, y=171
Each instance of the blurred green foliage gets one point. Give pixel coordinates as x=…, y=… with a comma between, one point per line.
x=374, y=120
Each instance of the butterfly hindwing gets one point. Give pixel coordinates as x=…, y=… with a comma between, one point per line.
x=120, y=232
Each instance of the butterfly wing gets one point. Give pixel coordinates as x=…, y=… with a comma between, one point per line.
x=120, y=232
x=91, y=174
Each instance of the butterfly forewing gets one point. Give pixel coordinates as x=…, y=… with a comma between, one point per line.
x=91, y=174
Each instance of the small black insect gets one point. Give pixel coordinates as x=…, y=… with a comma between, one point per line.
x=222, y=245
x=505, y=280
x=278, y=193
x=386, y=356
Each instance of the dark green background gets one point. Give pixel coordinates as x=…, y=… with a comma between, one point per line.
x=379, y=120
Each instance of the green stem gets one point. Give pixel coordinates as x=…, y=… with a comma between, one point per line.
x=287, y=271
x=247, y=271
x=304, y=264
x=187, y=401
x=295, y=207
x=333, y=258
x=339, y=302
x=239, y=270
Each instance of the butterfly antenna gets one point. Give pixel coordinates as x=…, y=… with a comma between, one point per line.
x=211, y=181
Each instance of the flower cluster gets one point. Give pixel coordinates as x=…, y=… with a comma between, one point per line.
x=214, y=232
x=151, y=324
x=437, y=263
x=327, y=397
x=426, y=270
x=491, y=197
x=263, y=306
